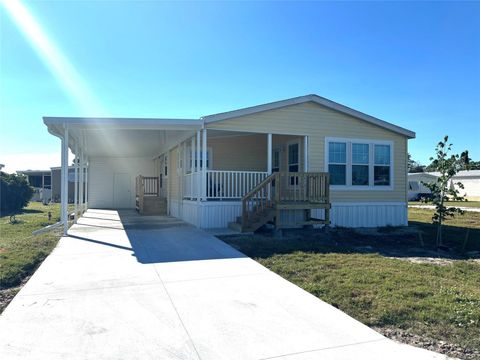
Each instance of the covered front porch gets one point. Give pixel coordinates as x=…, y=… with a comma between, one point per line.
x=208, y=178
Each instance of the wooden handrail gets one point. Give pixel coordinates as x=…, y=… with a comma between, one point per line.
x=145, y=186
x=295, y=188
x=258, y=199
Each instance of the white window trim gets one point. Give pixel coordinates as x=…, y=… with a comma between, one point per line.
x=372, y=143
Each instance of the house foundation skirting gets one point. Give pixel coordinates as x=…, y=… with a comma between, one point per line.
x=217, y=214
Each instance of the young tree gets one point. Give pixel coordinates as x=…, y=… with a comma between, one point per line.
x=444, y=189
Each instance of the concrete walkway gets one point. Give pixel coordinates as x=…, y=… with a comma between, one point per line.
x=131, y=287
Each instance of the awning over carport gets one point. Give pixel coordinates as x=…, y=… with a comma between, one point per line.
x=112, y=137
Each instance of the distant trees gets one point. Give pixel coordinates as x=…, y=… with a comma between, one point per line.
x=414, y=166
x=466, y=164
x=15, y=192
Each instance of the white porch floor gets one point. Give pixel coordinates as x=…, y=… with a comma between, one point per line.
x=131, y=287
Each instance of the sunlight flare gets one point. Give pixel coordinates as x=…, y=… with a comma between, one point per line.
x=61, y=68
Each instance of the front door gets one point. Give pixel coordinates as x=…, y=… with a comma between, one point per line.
x=122, y=193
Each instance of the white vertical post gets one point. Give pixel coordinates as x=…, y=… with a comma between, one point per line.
x=64, y=182
x=204, y=165
x=197, y=167
x=269, y=154
x=86, y=183
x=192, y=168
x=75, y=197
x=305, y=154
x=80, y=183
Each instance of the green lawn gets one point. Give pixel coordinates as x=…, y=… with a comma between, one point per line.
x=20, y=252
x=475, y=204
x=357, y=274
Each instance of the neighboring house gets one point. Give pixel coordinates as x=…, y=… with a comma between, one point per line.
x=469, y=178
x=416, y=187
x=471, y=183
x=2, y=166
x=212, y=170
x=41, y=181
x=56, y=183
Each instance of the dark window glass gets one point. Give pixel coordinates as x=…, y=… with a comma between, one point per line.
x=381, y=176
x=359, y=174
x=338, y=174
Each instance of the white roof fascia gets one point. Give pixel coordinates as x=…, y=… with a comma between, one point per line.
x=309, y=98
x=123, y=123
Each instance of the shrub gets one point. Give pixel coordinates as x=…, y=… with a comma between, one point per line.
x=15, y=192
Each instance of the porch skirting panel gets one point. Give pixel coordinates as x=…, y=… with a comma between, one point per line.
x=207, y=214
x=217, y=214
x=367, y=214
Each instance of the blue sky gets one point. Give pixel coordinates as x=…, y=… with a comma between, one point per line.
x=416, y=64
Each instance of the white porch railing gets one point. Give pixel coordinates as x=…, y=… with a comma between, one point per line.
x=192, y=185
x=222, y=184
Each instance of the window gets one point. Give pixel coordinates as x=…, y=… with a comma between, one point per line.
x=276, y=160
x=337, y=163
x=360, y=160
x=381, y=172
x=293, y=158
x=359, y=164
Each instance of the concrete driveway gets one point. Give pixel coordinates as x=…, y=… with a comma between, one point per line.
x=131, y=287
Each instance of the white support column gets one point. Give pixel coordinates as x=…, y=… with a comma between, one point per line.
x=204, y=165
x=305, y=154
x=192, y=168
x=269, y=153
x=87, y=164
x=198, y=193
x=80, y=182
x=64, y=182
x=75, y=196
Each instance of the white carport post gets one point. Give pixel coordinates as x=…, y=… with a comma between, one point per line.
x=269, y=153
x=204, y=165
x=75, y=197
x=64, y=181
x=87, y=164
x=197, y=167
x=305, y=154
x=192, y=168
x=80, y=182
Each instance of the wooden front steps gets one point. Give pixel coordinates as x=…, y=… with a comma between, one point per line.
x=285, y=191
x=256, y=222
x=152, y=205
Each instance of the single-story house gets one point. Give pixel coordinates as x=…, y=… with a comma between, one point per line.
x=469, y=178
x=294, y=161
x=41, y=181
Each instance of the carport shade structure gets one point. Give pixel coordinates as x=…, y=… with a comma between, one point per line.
x=111, y=137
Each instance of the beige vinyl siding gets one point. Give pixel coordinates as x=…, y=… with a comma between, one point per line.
x=318, y=123
x=249, y=152
x=246, y=152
